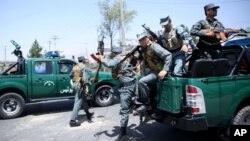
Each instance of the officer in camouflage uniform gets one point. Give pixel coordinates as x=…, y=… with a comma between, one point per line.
x=177, y=41
x=157, y=61
x=79, y=80
x=127, y=77
x=204, y=29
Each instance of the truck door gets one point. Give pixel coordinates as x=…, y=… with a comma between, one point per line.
x=63, y=78
x=44, y=84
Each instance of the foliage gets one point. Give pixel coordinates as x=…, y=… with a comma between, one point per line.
x=35, y=50
x=111, y=18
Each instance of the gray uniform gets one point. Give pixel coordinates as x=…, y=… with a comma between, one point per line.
x=154, y=54
x=173, y=40
x=80, y=96
x=205, y=43
x=127, y=88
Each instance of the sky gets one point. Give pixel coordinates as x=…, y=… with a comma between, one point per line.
x=75, y=22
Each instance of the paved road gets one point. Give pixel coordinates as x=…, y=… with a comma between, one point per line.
x=49, y=121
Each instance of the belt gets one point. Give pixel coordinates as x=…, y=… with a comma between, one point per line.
x=128, y=83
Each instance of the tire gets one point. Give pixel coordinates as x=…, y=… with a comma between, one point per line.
x=242, y=117
x=103, y=96
x=11, y=105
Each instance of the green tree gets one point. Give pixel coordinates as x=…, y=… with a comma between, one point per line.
x=111, y=18
x=35, y=50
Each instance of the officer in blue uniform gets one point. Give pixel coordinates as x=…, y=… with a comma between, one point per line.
x=157, y=61
x=127, y=76
x=177, y=41
x=204, y=29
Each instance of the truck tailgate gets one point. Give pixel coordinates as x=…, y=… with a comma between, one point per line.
x=170, y=94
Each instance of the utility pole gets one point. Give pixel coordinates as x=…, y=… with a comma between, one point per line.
x=122, y=35
x=54, y=37
x=49, y=44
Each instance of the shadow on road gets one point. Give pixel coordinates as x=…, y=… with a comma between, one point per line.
x=147, y=132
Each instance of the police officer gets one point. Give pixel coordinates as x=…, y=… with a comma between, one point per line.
x=157, y=61
x=204, y=29
x=127, y=77
x=177, y=41
x=79, y=80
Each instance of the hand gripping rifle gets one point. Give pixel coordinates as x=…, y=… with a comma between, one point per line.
x=151, y=33
x=100, y=51
x=129, y=54
x=223, y=34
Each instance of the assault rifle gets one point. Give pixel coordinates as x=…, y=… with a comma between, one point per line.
x=224, y=34
x=132, y=52
x=100, y=51
x=151, y=33
x=17, y=52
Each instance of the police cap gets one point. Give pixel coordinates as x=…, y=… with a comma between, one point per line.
x=165, y=21
x=210, y=6
x=80, y=58
x=142, y=35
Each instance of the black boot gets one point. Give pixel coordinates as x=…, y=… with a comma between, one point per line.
x=122, y=134
x=89, y=115
x=157, y=115
x=74, y=123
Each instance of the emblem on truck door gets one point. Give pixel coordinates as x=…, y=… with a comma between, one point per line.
x=49, y=83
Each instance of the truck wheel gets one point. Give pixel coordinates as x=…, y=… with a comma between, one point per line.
x=242, y=117
x=103, y=96
x=11, y=105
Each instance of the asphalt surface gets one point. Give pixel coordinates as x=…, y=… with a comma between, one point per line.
x=49, y=121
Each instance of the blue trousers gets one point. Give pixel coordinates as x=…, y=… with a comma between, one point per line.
x=178, y=62
x=126, y=94
x=80, y=101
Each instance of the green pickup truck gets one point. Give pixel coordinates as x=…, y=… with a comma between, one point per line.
x=42, y=79
x=214, y=93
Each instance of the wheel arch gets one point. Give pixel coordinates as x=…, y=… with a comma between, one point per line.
x=242, y=104
x=102, y=84
x=14, y=90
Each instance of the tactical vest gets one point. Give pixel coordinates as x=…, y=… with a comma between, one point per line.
x=171, y=41
x=152, y=61
x=115, y=72
x=207, y=25
x=77, y=73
